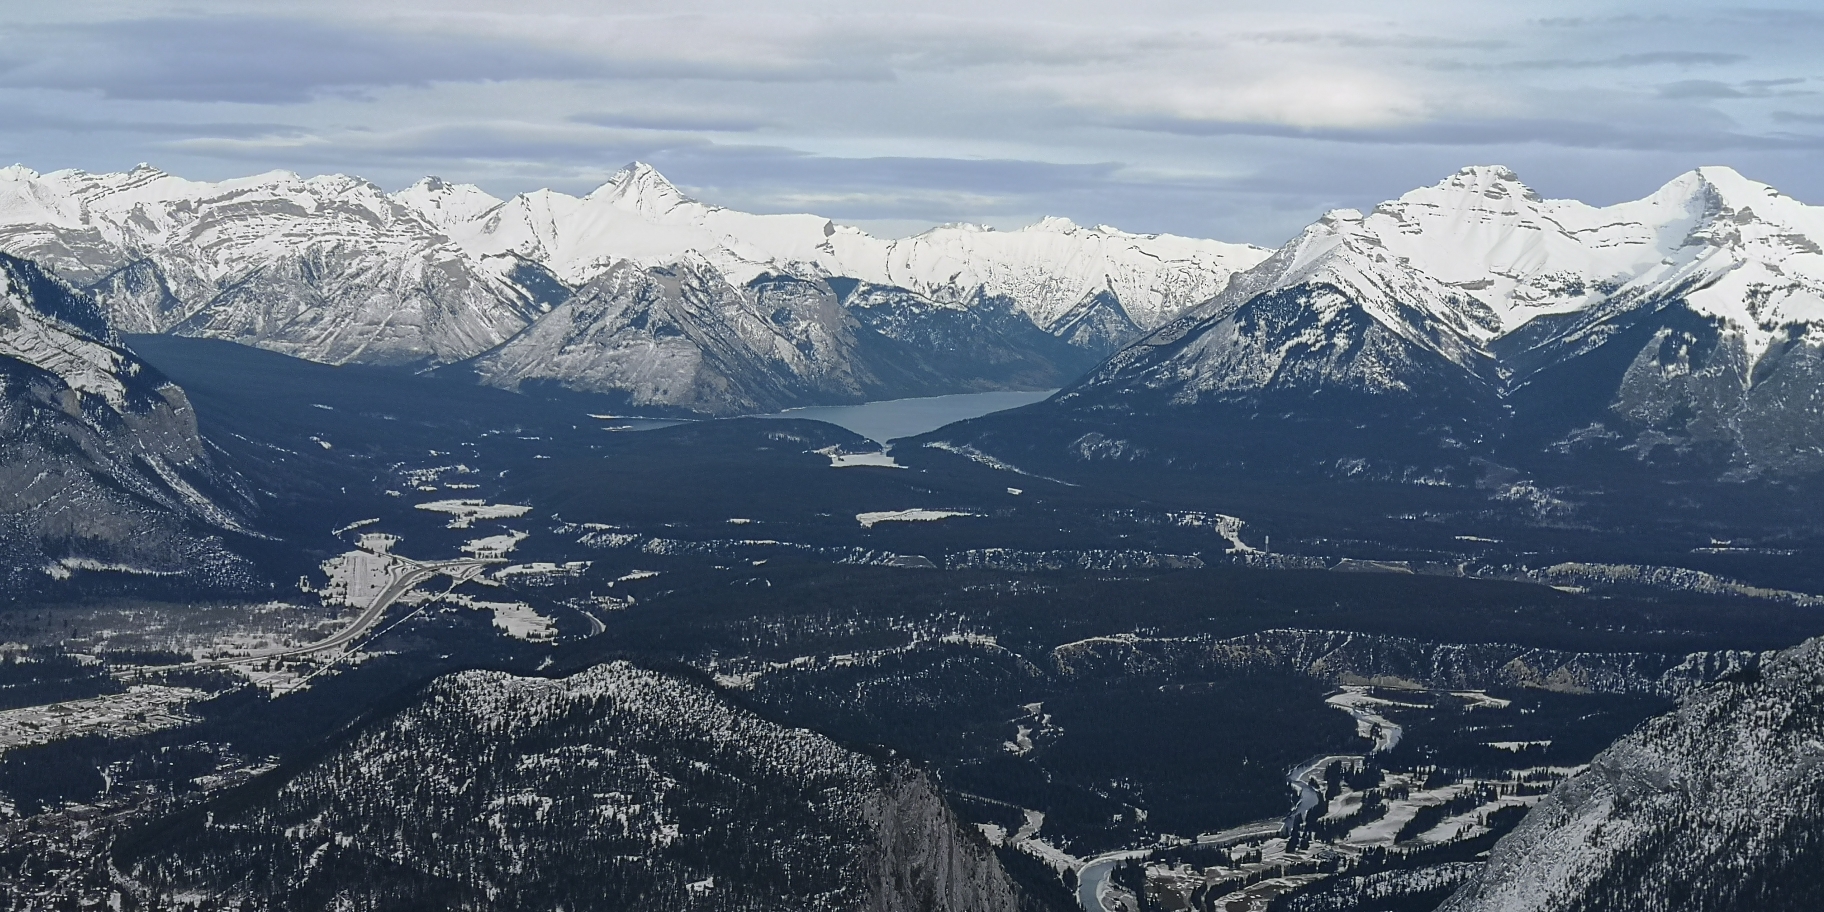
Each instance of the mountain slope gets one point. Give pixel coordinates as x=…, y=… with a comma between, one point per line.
x=684, y=337
x=102, y=473
x=614, y=788
x=326, y=268
x=1684, y=331
x=1717, y=806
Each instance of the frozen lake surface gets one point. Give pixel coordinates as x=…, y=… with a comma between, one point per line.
x=890, y=418
x=880, y=421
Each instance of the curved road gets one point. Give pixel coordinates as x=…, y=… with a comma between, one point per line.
x=412, y=574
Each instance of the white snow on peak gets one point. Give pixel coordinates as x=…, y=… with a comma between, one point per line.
x=204, y=234
x=234, y=224
x=1047, y=268
x=1484, y=254
x=443, y=204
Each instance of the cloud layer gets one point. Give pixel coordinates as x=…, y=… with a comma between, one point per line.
x=1234, y=120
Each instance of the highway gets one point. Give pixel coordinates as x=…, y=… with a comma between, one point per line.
x=411, y=573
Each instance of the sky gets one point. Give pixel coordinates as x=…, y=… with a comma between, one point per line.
x=1236, y=120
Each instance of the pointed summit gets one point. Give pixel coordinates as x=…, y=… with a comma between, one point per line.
x=1715, y=189
x=640, y=187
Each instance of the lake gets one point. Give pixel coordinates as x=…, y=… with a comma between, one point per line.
x=880, y=421
x=889, y=418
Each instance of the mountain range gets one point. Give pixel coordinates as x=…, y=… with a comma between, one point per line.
x=1472, y=334
x=333, y=269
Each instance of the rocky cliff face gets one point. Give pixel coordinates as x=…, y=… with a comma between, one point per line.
x=102, y=472
x=615, y=788
x=924, y=858
x=1717, y=806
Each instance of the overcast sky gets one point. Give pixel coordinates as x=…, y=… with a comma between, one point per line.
x=1240, y=121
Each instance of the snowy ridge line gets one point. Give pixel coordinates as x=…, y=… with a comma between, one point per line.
x=169, y=249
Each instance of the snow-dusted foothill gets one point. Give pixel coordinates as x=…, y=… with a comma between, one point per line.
x=1716, y=806
x=613, y=788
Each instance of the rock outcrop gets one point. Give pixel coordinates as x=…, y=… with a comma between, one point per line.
x=102, y=472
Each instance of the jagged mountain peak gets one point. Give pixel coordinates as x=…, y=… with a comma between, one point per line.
x=1686, y=327
x=443, y=203
x=1723, y=187
x=166, y=252
x=1483, y=237
x=1491, y=181
x=640, y=186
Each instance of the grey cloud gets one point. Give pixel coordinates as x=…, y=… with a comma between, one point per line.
x=1580, y=22
x=1784, y=19
x=451, y=144
x=1710, y=89
x=282, y=60
x=1615, y=62
x=1370, y=40
x=682, y=121
x=20, y=118
x=1690, y=134
x=850, y=101
x=1700, y=88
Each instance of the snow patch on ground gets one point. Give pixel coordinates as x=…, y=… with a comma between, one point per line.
x=542, y=571
x=848, y=460
x=494, y=545
x=465, y=512
x=868, y=520
x=515, y=619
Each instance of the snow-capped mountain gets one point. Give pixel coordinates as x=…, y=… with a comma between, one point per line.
x=1047, y=269
x=101, y=467
x=332, y=269
x=1716, y=806
x=685, y=337
x=1686, y=326
x=325, y=268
